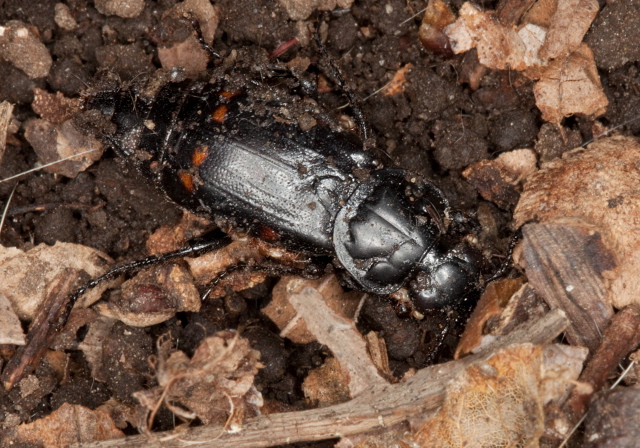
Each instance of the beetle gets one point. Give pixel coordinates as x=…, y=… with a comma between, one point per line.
x=266, y=160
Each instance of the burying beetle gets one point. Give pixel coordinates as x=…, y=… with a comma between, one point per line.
x=270, y=163
x=265, y=159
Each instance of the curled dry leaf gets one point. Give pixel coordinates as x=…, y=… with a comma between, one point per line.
x=497, y=402
x=25, y=278
x=21, y=46
x=153, y=296
x=564, y=263
x=216, y=384
x=67, y=425
x=53, y=142
x=491, y=303
x=599, y=186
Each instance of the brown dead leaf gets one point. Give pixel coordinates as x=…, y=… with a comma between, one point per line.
x=216, y=384
x=493, y=403
x=547, y=48
x=153, y=296
x=498, y=180
x=568, y=25
x=53, y=142
x=599, y=185
x=498, y=46
x=396, y=85
x=571, y=85
x=327, y=384
x=26, y=276
x=292, y=324
x=493, y=300
x=67, y=425
x=10, y=327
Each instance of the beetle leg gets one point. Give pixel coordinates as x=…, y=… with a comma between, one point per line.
x=196, y=27
x=311, y=271
x=508, y=261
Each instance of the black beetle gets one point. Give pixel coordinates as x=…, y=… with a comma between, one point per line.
x=270, y=162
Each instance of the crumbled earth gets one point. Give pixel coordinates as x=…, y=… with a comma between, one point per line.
x=436, y=127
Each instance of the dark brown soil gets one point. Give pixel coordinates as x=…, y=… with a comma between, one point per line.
x=436, y=128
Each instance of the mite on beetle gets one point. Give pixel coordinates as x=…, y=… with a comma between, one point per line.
x=268, y=161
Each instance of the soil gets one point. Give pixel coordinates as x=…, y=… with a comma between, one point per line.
x=437, y=127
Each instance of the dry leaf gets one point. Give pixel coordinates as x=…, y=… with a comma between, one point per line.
x=53, y=142
x=215, y=385
x=568, y=79
x=92, y=346
x=567, y=27
x=25, y=278
x=599, y=185
x=68, y=425
x=493, y=403
x=153, y=296
x=569, y=86
x=498, y=46
x=498, y=180
x=10, y=327
x=327, y=384
x=291, y=323
x=493, y=299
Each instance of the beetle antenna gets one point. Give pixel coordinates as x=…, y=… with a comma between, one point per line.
x=342, y=83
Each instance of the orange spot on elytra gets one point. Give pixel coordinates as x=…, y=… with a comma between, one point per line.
x=268, y=234
x=228, y=95
x=219, y=114
x=199, y=155
x=187, y=181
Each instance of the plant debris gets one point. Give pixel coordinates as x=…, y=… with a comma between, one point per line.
x=565, y=70
x=215, y=385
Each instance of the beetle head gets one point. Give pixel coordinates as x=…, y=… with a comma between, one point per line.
x=447, y=279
